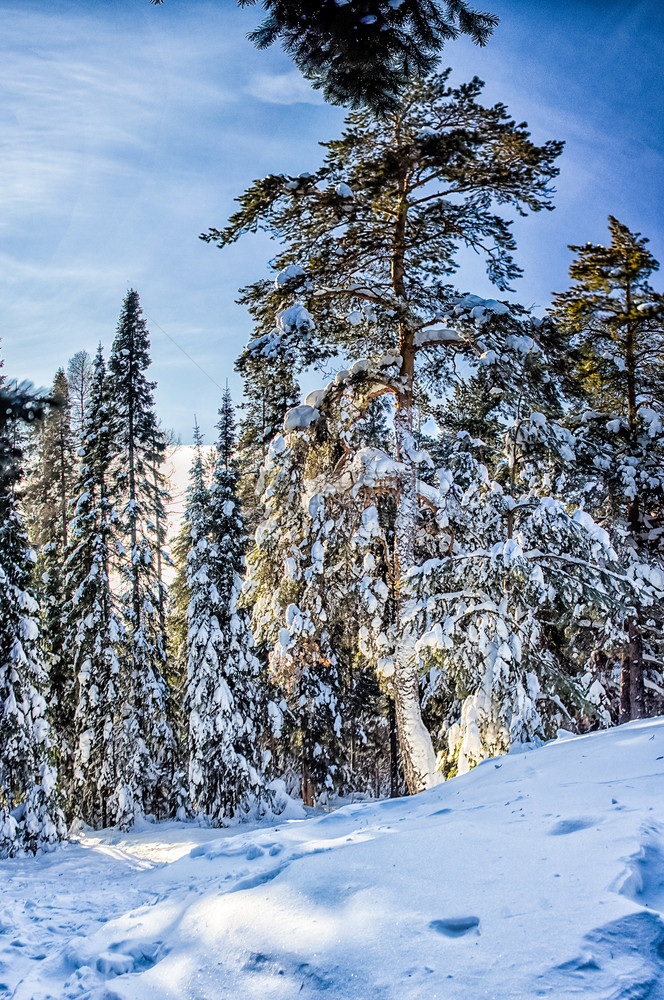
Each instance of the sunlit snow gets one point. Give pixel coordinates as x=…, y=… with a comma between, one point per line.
x=539, y=874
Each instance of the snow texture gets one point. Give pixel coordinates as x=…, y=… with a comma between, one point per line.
x=539, y=874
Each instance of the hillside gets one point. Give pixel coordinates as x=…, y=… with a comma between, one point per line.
x=539, y=874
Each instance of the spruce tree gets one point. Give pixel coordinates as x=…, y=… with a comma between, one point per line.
x=370, y=241
x=48, y=492
x=222, y=697
x=144, y=757
x=94, y=632
x=30, y=816
x=310, y=596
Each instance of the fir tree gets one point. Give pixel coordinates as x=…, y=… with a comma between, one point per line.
x=47, y=495
x=30, y=817
x=222, y=697
x=94, y=632
x=144, y=759
x=370, y=240
x=616, y=321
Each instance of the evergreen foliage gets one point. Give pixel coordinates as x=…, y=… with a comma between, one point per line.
x=46, y=500
x=222, y=700
x=367, y=51
x=30, y=816
x=94, y=631
x=144, y=758
x=615, y=323
x=369, y=243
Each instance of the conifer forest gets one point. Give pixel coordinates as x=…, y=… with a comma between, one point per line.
x=452, y=547
x=346, y=676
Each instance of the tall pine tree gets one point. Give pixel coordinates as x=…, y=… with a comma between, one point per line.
x=144, y=757
x=615, y=322
x=370, y=240
x=94, y=631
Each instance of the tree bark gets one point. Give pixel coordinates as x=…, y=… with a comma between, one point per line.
x=636, y=686
x=417, y=754
x=632, y=690
x=394, y=760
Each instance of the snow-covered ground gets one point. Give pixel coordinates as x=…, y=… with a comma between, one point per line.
x=539, y=874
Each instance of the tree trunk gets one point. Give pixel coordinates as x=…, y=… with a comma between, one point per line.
x=394, y=760
x=625, y=700
x=417, y=754
x=636, y=686
x=632, y=691
x=307, y=785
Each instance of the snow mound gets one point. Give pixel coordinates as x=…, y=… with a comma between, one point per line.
x=300, y=417
x=538, y=874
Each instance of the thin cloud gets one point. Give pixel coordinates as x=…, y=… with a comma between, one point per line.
x=283, y=88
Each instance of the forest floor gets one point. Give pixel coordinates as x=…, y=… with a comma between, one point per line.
x=539, y=874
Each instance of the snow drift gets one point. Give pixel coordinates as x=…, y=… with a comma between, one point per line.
x=539, y=874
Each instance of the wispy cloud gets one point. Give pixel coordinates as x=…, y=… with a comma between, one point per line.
x=283, y=88
x=127, y=129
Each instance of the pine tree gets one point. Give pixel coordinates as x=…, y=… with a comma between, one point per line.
x=30, y=817
x=370, y=240
x=94, y=632
x=222, y=697
x=144, y=759
x=615, y=321
x=366, y=52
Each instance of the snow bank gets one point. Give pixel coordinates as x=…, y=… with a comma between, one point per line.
x=536, y=875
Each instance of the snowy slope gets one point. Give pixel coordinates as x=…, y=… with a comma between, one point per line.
x=536, y=875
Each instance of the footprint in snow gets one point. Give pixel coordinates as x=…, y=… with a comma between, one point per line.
x=455, y=927
x=644, y=883
x=566, y=826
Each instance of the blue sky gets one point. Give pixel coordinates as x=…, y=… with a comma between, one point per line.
x=128, y=129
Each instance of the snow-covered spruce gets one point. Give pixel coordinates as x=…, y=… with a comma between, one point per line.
x=45, y=502
x=94, y=632
x=30, y=816
x=614, y=320
x=224, y=706
x=144, y=751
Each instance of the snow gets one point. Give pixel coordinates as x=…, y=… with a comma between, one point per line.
x=539, y=874
x=300, y=417
x=295, y=319
x=315, y=398
x=433, y=335
x=287, y=274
